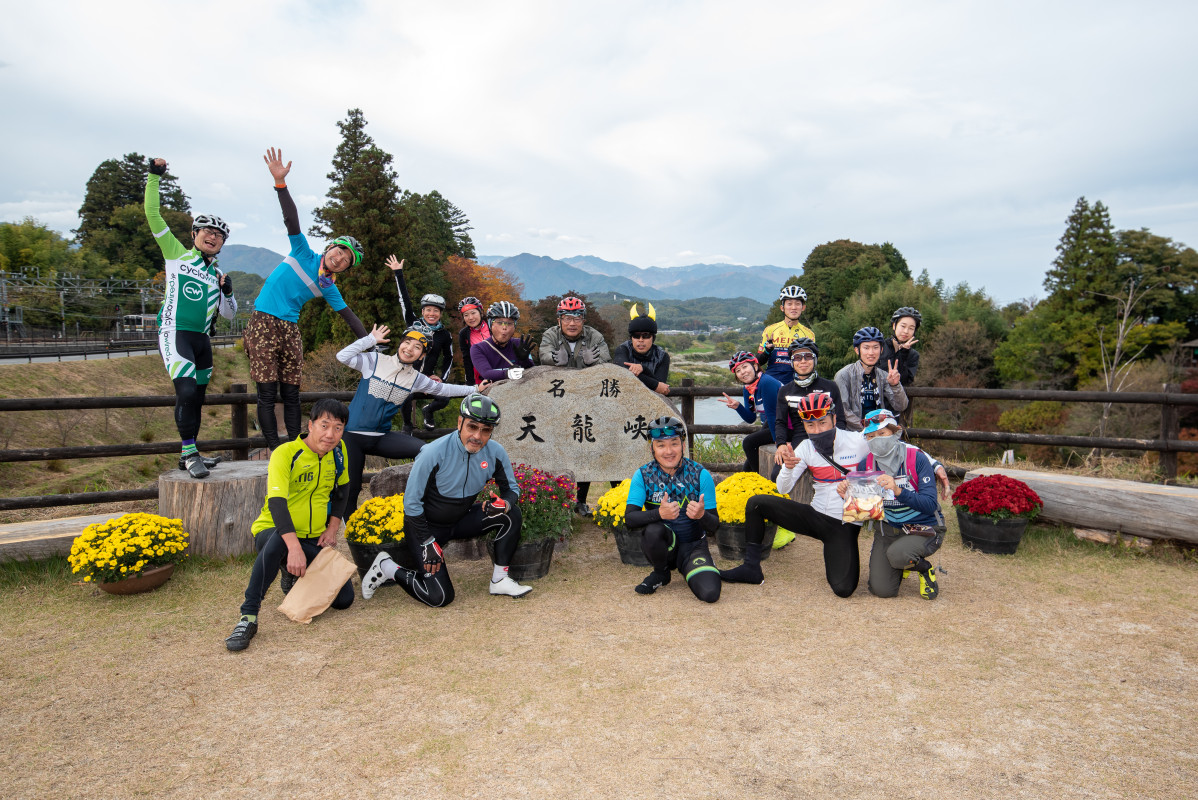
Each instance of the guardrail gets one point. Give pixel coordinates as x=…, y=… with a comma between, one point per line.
x=1168, y=445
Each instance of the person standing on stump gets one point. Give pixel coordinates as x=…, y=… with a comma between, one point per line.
x=439, y=505
x=194, y=292
x=900, y=348
x=672, y=503
x=272, y=338
x=305, y=503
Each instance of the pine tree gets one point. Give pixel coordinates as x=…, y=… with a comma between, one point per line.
x=1086, y=259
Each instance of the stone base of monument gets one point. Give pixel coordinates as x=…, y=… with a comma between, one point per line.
x=217, y=511
x=390, y=481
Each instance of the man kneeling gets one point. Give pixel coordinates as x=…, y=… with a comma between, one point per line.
x=439, y=505
x=305, y=499
x=672, y=500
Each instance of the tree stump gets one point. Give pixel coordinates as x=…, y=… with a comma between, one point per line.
x=218, y=510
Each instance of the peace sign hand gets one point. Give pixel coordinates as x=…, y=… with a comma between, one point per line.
x=728, y=401
x=892, y=374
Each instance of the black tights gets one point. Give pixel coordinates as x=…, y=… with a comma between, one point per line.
x=692, y=559
x=842, y=561
x=358, y=446
x=268, y=392
x=436, y=590
x=431, y=408
x=272, y=555
x=189, y=404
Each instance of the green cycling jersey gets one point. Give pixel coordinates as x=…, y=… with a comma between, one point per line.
x=192, y=295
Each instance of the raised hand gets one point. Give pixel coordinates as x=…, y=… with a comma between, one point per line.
x=728, y=401
x=394, y=264
x=274, y=162
x=695, y=508
x=380, y=334
x=892, y=373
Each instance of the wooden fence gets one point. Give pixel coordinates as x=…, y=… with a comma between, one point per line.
x=240, y=400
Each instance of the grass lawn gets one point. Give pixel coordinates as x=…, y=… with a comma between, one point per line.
x=1067, y=670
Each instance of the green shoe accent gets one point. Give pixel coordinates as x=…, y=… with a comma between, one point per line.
x=927, y=584
x=782, y=538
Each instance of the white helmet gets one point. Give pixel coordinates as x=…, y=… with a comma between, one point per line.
x=792, y=292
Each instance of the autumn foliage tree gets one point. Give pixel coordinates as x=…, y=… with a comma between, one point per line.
x=490, y=284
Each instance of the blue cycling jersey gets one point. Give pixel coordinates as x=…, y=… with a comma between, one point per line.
x=294, y=282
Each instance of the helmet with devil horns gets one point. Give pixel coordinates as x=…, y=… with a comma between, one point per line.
x=643, y=323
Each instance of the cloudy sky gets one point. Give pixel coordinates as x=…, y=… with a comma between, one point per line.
x=658, y=133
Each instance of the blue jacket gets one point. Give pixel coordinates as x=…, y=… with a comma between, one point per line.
x=294, y=282
x=764, y=402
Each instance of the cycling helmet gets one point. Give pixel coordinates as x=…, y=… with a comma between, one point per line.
x=480, y=408
x=868, y=334
x=207, y=221
x=816, y=405
x=666, y=428
x=433, y=300
x=419, y=335
x=906, y=311
x=741, y=357
x=503, y=310
x=470, y=302
x=349, y=243
x=803, y=343
x=571, y=307
x=792, y=292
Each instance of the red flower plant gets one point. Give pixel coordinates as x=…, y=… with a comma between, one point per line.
x=997, y=497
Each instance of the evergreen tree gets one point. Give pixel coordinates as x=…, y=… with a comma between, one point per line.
x=1085, y=262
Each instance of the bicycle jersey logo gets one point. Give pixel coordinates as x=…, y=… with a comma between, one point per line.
x=699, y=561
x=307, y=476
x=483, y=464
x=193, y=292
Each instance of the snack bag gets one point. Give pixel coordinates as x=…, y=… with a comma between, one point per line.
x=863, y=501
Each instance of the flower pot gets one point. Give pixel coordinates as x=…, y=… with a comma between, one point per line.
x=730, y=537
x=987, y=535
x=364, y=555
x=628, y=544
x=150, y=579
x=530, y=561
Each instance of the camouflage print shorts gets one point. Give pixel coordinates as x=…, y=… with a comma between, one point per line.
x=275, y=349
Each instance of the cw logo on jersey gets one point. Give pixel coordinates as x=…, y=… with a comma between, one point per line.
x=193, y=292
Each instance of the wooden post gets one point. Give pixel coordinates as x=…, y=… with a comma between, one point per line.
x=241, y=428
x=218, y=510
x=1170, y=431
x=688, y=416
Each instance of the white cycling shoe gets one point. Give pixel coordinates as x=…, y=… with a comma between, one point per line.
x=509, y=587
x=374, y=577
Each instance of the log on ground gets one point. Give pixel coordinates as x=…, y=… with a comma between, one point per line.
x=218, y=510
x=1128, y=507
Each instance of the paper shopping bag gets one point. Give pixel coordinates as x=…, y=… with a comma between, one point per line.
x=314, y=592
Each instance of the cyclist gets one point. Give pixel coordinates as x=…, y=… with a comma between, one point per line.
x=502, y=351
x=646, y=360
x=788, y=427
x=672, y=502
x=572, y=343
x=438, y=350
x=760, y=400
x=864, y=385
x=305, y=502
x=194, y=293
x=829, y=453
x=914, y=528
x=904, y=323
x=774, y=353
x=387, y=382
x=471, y=310
x=439, y=505
x=272, y=338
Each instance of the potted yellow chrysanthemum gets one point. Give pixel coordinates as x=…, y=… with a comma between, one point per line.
x=609, y=516
x=377, y=525
x=732, y=495
x=130, y=554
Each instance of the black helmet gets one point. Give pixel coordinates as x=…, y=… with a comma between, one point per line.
x=470, y=300
x=867, y=334
x=503, y=310
x=642, y=323
x=480, y=408
x=906, y=311
x=803, y=343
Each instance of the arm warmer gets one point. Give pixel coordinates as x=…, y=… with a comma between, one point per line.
x=638, y=518
x=290, y=212
x=280, y=515
x=338, y=499
x=354, y=323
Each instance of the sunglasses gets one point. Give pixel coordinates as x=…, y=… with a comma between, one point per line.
x=642, y=336
x=815, y=414
x=802, y=357
x=663, y=433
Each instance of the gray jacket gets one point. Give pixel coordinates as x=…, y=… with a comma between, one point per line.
x=848, y=380
x=590, y=349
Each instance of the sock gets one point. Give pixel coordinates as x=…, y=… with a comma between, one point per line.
x=652, y=582
x=249, y=618
x=389, y=569
x=748, y=572
x=189, y=447
x=498, y=574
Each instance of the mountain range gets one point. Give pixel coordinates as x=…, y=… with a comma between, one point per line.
x=590, y=275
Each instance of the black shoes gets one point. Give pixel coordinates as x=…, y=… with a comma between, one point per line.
x=239, y=639
x=652, y=582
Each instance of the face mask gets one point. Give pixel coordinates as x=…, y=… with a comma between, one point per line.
x=823, y=442
x=882, y=446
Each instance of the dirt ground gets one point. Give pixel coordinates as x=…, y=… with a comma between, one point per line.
x=1067, y=676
